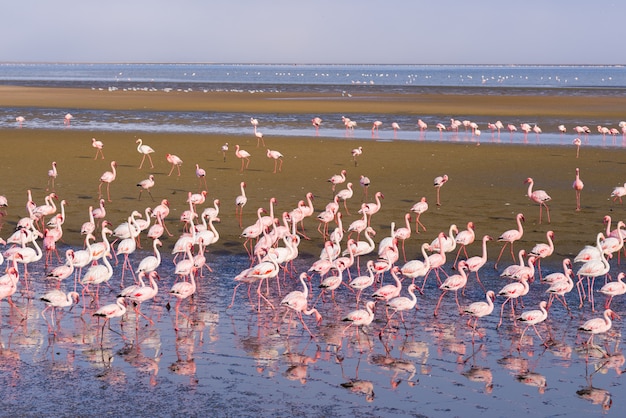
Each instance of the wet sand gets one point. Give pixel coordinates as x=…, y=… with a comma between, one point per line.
x=232, y=355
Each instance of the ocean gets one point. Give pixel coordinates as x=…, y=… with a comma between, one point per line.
x=340, y=79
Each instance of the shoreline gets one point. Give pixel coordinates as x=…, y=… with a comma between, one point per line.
x=452, y=105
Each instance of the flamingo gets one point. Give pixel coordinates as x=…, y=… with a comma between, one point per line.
x=372, y=208
x=337, y=179
x=578, y=187
x=98, y=145
x=113, y=310
x=356, y=152
x=107, y=177
x=395, y=128
x=594, y=267
x=464, y=238
x=438, y=182
x=259, y=138
x=344, y=195
x=52, y=175
x=577, y=142
x=363, y=282
x=317, y=122
x=512, y=291
x=510, y=236
x=454, y=282
x=240, y=202
x=243, y=155
x=176, y=161
x=144, y=293
x=377, y=124
x=152, y=262
x=365, y=182
x=543, y=250
x=479, y=309
x=419, y=208
x=401, y=304
x=562, y=129
x=224, y=150
x=618, y=192
x=57, y=299
x=477, y=262
x=20, y=120
x=436, y=260
x=332, y=282
x=67, y=119
x=417, y=268
x=360, y=317
x=389, y=291
x=146, y=185
x=540, y=197
x=278, y=159
x=297, y=301
x=422, y=125
x=97, y=274
x=562, y=286
x=404, y=233
x=145, y=150
x=255, y=123
x=183, y=290
x=532, y=318
x=598, y=325
x=63, y=271
x=612, y=289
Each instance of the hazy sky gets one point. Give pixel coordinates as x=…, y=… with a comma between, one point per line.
x=325, y=31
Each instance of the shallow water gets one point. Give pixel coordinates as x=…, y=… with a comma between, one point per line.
x=248, y=362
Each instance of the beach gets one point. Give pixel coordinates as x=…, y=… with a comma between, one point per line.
x=230, y=355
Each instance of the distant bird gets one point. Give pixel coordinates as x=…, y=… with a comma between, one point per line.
x=562, y=129
x=146, y=185
x=537, y=131
x=244, y=156
x=377, y=124
x=438, y=182
x=255, y=123
x=578, y=186
x=618, y=192
x=259, y=138
x=107, y=177
x=317, y=122
x=145, y=150
x=278, y=159
x=224, y=150
x=538, y=196
x=175, y=160
x=67, y=119
x=422, y=125
x=98, y=145
x=201, y=174
x=395, y=128
x=52, y=175
x=365, y=183
x=20, y=120
x=419, y=208
x=356, y=152
x=577, y=142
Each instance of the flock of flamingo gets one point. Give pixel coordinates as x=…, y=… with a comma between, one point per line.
x=272, y=246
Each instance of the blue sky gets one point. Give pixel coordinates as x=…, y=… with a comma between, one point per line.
x=325, y=31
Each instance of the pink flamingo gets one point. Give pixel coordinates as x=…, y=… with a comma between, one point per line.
x=201, y=175
x=52, y=175
x=259, y=138
x=108, y=177
x=360, y=317
x=176, y=161
x=618, y=192
x=377, y=124
x=317, y=122
x=436, y=260
x=512, y=291
x=417, y=268
x=577, y=142
x=365, y=182
x=404, y=233
x=278, y=159
x=543, y=250
x=57, y=299
x=463, y=239
x=240, y=202
x=372, y=208
x=255, y=123
x=146, y=185
x=356, y=152
x=438, y=182
x=477, y=262
x=183, y=290
x=20, y=120
x=419, y=208
x=477, y=310
x=113, y=310
x=298, y=301
x=98, y=145
x=510, y=236
x=578, y=187
x=243, y=155
x=561, y=287
x=540, y=197
x=336, y=179
x=143, y=293
x=395, y=128
x=454, y=282
x=67, y=119
x=532, y=318
x=145, y=150
x=598, y=325
x=401, y=304
x=593, y=268
x=612, y=289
